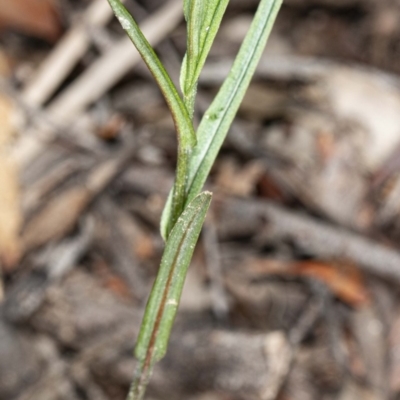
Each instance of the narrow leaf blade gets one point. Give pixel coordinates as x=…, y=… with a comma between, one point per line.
x=186, y=8
x=166, y=217
x=211, y=23
x=195, y=16
x=204, y=19
x=219, y=116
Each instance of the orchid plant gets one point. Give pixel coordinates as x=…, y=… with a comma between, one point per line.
x=186, y=206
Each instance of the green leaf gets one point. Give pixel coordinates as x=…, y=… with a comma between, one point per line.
x=215, y=10
x=219, y=116
x=165, y=295
x=194, y=11
x=182, y=120
x=186, y=7
x=166, y=217
x=203, y=21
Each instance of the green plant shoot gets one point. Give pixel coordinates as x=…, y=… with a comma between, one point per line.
x=203, y=20
x=216, y=121
x=183, y=124
x=186, y=207
x=165, y=295
x=219, y=116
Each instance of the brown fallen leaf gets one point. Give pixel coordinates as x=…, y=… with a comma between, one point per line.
x=343, y=279
x=38, y=18
x=10, y=213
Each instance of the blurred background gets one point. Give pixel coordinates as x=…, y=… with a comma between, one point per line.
x=293, y=292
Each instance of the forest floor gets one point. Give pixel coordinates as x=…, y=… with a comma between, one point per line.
x=293, y=291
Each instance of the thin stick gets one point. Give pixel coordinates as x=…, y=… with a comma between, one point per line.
x=318, y=238
x=113, y=65
x=64, y=57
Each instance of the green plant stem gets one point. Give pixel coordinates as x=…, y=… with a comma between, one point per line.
x=167, y=289
x=182, y=120
x=186, y=209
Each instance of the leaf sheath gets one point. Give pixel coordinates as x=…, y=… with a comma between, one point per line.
x=165, y=295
